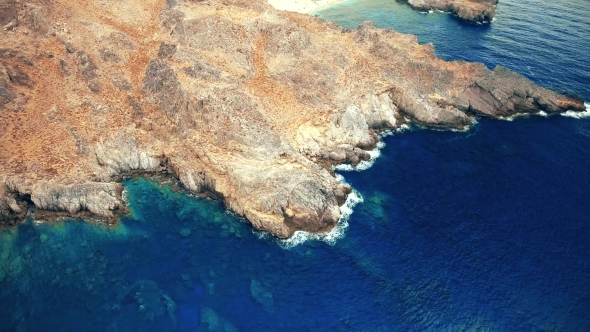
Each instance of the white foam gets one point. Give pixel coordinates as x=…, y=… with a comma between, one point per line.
x=124, y=196
x=510, y=118
x=346, y=209
x=390, y=132
x=331, y=237
x=338, y=232
x=543, y=114
x=376, y=153
x=579, y=115
x=365, y=164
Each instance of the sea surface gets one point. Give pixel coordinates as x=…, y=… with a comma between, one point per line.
x=485, y=230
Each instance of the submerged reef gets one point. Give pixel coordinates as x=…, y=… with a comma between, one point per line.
x=235, y=99
x=474, y=11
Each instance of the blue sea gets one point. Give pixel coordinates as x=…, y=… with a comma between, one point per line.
x=484, y=230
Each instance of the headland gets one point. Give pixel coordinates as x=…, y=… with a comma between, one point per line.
x=237, y=100
x=474, y=11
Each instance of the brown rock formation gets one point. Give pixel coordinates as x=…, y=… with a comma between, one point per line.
x=232, y=97
x=475, y=11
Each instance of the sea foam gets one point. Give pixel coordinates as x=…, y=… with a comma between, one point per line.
x=300, y=237
x=374, y=154
x=336, y=233
x=332, y=236
x=365, y=164
x=579, y=115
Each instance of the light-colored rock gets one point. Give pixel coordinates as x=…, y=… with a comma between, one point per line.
x=239, y=101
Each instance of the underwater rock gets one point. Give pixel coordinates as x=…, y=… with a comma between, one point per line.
x=212, y=322
x=262, y=296
x=152, y=303
x=238, y=101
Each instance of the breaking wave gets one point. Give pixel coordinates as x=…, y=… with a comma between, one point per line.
x=365, y=164
x=331, y=237
x=579, y=115
x=335, y=234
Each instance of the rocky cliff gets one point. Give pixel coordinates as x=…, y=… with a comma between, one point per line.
x=235, y=99
x=475, y=11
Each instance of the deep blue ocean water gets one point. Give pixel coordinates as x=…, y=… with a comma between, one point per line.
x=485, y=230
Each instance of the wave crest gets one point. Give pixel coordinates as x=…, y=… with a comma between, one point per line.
x=335, y=234
x=331, y=237
x=578, y=115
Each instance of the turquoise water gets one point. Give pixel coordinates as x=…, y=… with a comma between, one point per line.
x=486, y=230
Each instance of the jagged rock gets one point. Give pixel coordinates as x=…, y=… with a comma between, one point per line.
x=12, y=209
x=89, y=71
x=239, y=101
x=166, y=50
x=476, y=11
x=6, y=95
x=100, y=199
x=121, y=154
x=163, y=87
x=8, y=12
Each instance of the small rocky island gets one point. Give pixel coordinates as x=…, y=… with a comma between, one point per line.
x=474, y=11
x=235, y=99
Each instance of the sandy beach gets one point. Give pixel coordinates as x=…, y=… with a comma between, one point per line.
x=301, y=6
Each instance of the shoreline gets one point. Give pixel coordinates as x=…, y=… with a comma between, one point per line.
x=262, y=138
x=301, y=6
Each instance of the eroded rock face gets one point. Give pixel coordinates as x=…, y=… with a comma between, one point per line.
x=235, y=99
x=475, y=11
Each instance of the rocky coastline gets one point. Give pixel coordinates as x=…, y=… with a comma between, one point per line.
x=235, y=99
x=473, y=11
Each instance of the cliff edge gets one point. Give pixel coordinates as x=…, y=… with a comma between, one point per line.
x=237, y=100
x=474, y=11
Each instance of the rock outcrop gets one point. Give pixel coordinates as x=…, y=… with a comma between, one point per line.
x=475, y=11
x=237, y=100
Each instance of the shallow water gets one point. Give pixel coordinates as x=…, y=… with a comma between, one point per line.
x=486, y=230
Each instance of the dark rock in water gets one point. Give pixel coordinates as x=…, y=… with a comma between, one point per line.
x=237, y=100
x=475, y=11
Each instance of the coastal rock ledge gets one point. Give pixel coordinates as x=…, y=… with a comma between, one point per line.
x=474, y=11
x=235, y=99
